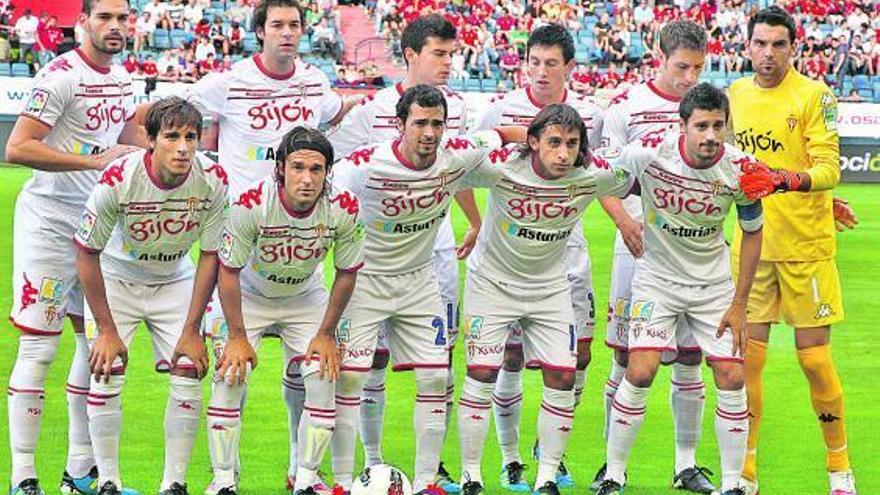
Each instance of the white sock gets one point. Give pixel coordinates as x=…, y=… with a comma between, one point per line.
x=80, y=458
x=349, y=388
x=687, y=396
x=315, y=429
x=25, y=402
x=627, y=416
x=473, y=425
x=614, y=378
x=429, y=422
x=182, y=414
x=732, y=430
x=554, y=428
x=580, y=380
x=105, y=426
x=294, y=393
x=224, y=431
x=508, y=411
x=372, y=411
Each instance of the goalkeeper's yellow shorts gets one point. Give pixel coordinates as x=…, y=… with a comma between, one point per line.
x=806, y=293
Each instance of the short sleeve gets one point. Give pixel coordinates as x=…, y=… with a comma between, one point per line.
x=490, y=117
x=353, y=131
x=52, y=93
x=349, y=173
x=490, y=171
x=212, y=231
x=472, y=149
x=614, y=129
x=594, y=136
x=208, y=94
x=613, y=182
x=348, y=247
x=238, y=236
x=101, y=213
x=331, y=102
x=632, y=159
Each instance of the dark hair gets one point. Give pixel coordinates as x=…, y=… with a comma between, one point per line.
x=552, y=35
x=261, y=13
x=685, y=34
x=416, y=33
x=86, y=8
x=773, y=16
x=303, y=138
x=172, y=111
x=703, y=96
x=424, y=96
x=562, y=115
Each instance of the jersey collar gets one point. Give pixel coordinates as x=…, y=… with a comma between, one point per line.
x=95, y=67
x=258, y=61
x=691, y=164
x=662, y=94
x=534, y=102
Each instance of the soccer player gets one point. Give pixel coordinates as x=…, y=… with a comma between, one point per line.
x=647, y=113
x=682, y=287
x=253, y=106
x=427, y=44
x=786, y=119
x=80, y=107
x=549, y=58
x=517, y=273
x=147, y=210
x=405, y=186
x=278, y=233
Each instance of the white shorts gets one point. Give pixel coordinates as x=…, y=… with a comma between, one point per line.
x=44, y=282
x=665, y=316
x=415, y=322
x=446, y=272
x=162, y=308
x=548, y=334
x=294, y=319
x=578, y=269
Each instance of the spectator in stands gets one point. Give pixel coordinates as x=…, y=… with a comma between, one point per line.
x=168, y=59
x=173, y=15
x=218, y=35
x=505, y=22
x=151, y=70
x=131, y=63
x=130, y=27
x=582, y=81
x=602, y=33
x=643, y=15
x=5, y=48
x=204, y=48
x=853, y=97
x=324, y=40
x=615, y=49
x=235, y=39
x=341, y=78
x=458, y=71
x=858, y=61
x=171, y=74
x=313, y=17
x=6, y=16
x=202, y=28
x=49, y=36
x=240, y=13
x=144, y=28
x=714, y=50
x=192, y=13
x=509, y=63
x=520, y=36
x=208, y=65
x=26, y=31
x=156, y=8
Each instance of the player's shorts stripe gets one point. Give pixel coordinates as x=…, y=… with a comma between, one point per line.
x=412, y=366
x=85, y=248
x=653, y=349
x=356, y=369
x=94, y=395
x=618, y=347
x=490, y=367
x=33, y=331
x=537, y=363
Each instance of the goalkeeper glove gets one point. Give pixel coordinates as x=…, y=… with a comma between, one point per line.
x=758, y=180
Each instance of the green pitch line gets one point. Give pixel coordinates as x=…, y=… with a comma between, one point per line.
x=792, y=455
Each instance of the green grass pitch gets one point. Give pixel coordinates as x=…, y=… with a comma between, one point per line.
x=792, y=453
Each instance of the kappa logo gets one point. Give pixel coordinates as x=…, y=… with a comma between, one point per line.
x=792, y=122
x=823, y=311
x=828, y=418
x=28, y=293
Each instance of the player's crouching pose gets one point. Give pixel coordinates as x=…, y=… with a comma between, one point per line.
x=689, y=182
x=148, y=209
x=277, y=234
x=405, y=186
x=517, y=273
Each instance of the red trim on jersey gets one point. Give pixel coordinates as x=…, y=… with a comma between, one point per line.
x=536, y=169
x=691, y=164
x=85, y=248
x=538, y=364
x=278, y=77
x=95, y=67
x=231, y=269
x=617, y=347
x=662, y=94
x=585, y=339
x=395, y=147
x=37, y=119
x=289, y=208
x=148, y=164
x=351, y=269
x=652, y=349
x=412, y=366
x=533, y=101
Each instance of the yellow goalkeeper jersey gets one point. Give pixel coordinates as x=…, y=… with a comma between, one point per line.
x=792, y=126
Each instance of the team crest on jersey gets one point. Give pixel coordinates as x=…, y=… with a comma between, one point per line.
x=320, y=230
x=791, y=121
x=717, y=187
x=571, y=190
x=191, y=205
x=303, y=90
x=37, y=102
x=86, y=225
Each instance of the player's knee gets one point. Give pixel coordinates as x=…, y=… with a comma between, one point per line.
x=483, y=375
x=185, y=372
x=558, y=380
x=185, y=389
x=350, y=383
x=77, y=322
x=622, y=357
x=513, y=358
x=689, y=358
x=380, y=360
x=227, y=396
x=640, y=375
x=431, y=380
x=584, y=355
x=728, y=375
x=35, y=355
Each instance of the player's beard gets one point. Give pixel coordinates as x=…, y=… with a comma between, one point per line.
x=101, y=45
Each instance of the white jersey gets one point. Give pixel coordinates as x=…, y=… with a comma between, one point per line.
x=640, y=111
x=402, y=206
x=519, y=107
x=255, y=108
x=375, y=120
x=685, y=208
x=148, y=228
x=86, y=107
x=279, y=249
x=529, y=218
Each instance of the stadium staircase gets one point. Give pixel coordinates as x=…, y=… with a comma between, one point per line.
x=362, y=44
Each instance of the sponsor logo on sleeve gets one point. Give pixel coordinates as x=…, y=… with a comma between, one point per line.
x=37, y=102
x=86, y=226
x=829, y=112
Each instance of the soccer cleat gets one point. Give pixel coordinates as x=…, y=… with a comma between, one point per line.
x=609, y=487
x=228, y=490
x=695, y=480
x=431, y=490
x=563, y=477
x=749, y=487
x=445, y=481
x=86, y=485
x=175, y=489
x=512, y=477
x=549, y=488
x=472, y=488
x=598, y=478
x=29, y=486
x=733, y=491
x=109, y=488
x=842, y=482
